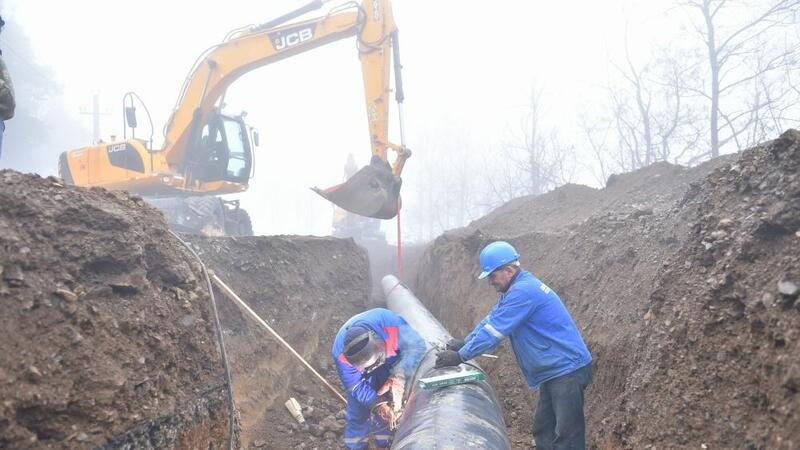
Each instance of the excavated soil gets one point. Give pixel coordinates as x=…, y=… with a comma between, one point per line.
x=109, y=338
x=305, y=288
x=684, y=283
x=107, y=335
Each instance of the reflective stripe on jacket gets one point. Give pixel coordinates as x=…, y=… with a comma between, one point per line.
x=546, y=342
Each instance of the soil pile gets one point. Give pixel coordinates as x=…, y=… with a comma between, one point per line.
x=107, y=334
x=684, y=283
x=719, y=361
x=305, y=288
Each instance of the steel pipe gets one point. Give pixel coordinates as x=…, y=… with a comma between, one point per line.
x=453, y=417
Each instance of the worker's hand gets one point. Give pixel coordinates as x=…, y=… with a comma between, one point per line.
x=454, y=344
x=383, y=411
x=447, y=358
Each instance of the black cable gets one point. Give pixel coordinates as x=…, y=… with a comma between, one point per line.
x=219, y=337
x=474, y=366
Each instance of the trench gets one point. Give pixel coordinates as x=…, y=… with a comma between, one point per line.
x=667, y=272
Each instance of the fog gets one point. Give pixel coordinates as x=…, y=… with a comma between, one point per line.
x=470, y=69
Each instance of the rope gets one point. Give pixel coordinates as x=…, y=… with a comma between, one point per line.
x=239, y=302
x=399, y=242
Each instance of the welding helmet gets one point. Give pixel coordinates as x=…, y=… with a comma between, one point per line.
x=363, y=348
x=496, y=255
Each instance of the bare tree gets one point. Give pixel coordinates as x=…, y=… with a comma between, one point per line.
x=443, y=192
x=643, y=100
x=732, y=49
x=677, y=130
x=650, y=114
x=655, y=115
x=532, y=161
x=596, y=137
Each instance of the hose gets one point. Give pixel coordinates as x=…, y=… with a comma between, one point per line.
x=219, y=338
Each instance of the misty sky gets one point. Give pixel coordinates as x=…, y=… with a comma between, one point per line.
x=468, y=68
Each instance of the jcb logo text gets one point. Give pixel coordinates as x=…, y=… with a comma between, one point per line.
x=284, y=39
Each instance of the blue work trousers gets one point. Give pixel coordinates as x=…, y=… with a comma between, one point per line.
x=558, y=423
x=361, y=423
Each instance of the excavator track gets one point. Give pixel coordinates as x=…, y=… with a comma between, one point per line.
x=204, y=215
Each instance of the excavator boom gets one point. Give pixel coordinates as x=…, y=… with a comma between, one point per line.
x=374, y=190
x=207, y=153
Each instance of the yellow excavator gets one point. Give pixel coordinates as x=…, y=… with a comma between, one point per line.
x=207, y=153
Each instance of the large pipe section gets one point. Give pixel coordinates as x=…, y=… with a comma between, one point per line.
x=453, y=417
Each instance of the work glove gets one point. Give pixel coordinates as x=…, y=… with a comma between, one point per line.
x=447, y=358
x=454, y=344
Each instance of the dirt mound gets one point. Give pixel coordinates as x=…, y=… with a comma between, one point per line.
x=570, y=205
x=719, y=360
x=305, y=288
x=107, y=335
x=673, y=276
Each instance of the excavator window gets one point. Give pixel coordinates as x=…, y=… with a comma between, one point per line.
x=238, y=167
x=225, y=151
x=214, y=151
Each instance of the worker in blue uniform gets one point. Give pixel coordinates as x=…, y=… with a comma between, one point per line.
x=375, y=352
x=547, y=345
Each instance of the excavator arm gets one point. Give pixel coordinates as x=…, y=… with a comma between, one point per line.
x=374, y=190
x=207, y=153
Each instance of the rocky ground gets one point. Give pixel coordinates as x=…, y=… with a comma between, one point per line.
x=684, y=284
x=107, y=335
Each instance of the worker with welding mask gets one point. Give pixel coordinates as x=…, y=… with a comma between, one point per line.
x=375, y=352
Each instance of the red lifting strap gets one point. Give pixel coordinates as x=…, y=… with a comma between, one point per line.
x=399, y=242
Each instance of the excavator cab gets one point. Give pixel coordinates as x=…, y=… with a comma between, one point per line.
x=373, y=191
x=224, y=151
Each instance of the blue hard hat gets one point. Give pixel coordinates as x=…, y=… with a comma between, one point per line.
x=496, y=255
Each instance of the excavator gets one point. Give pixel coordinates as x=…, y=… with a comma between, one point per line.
x=207, y=153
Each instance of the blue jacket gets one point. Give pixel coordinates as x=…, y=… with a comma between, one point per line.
x=545, y=340
x=404, y=350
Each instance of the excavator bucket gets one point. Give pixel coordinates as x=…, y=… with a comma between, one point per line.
x=373, y=191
